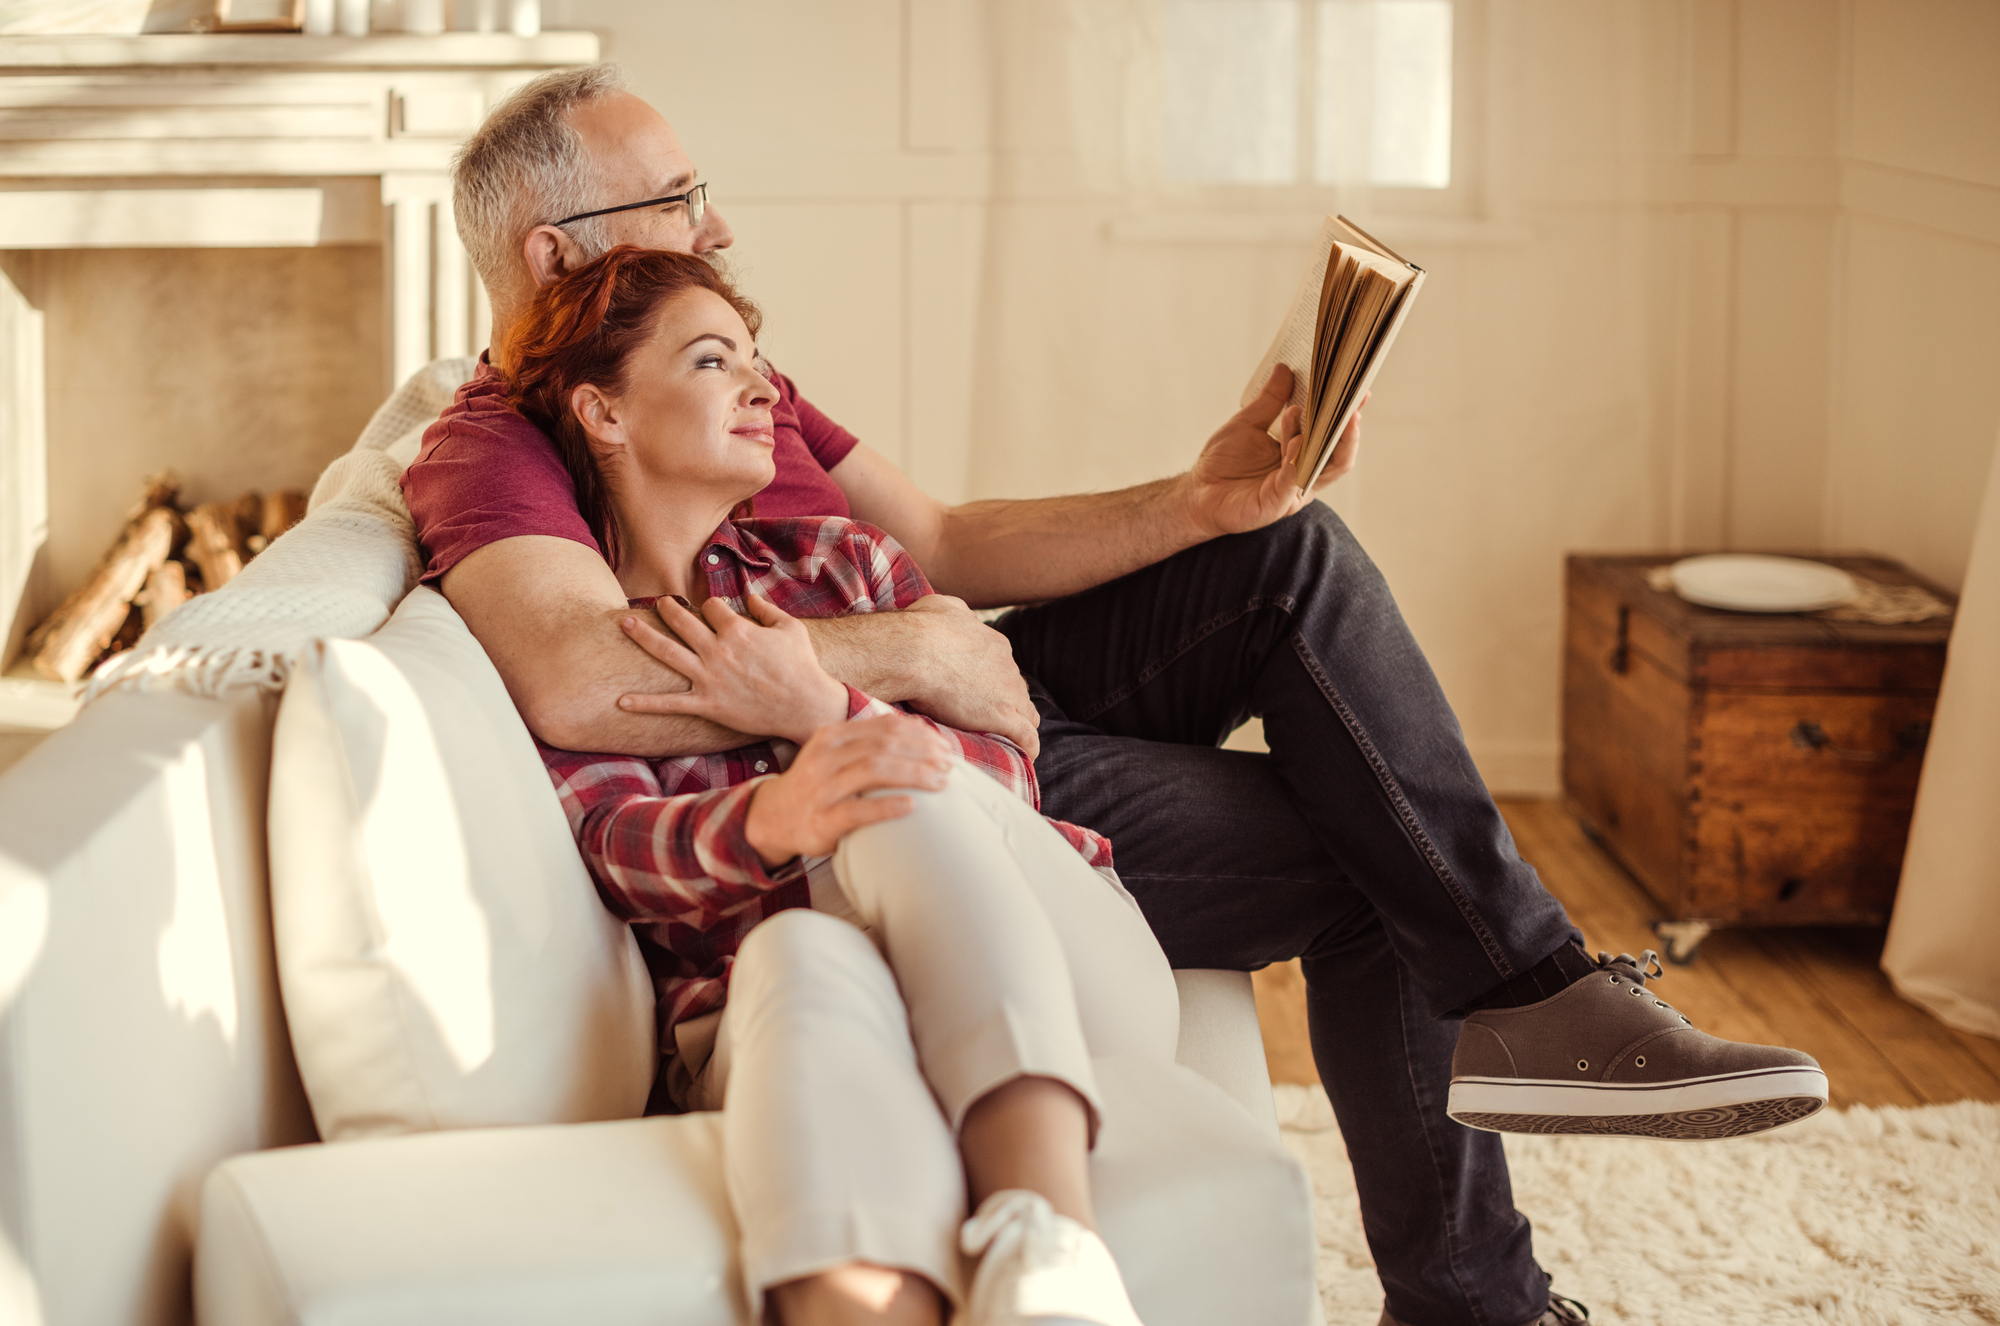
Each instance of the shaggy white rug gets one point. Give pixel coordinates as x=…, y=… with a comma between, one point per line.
x=1862, y=1217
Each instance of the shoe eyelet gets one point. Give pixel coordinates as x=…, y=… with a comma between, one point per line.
x=1637, y=991
x=1614, y=980
x=1658, y=1004
x=1640, y=1062
x=1688, y=1023
x=1583, y=1065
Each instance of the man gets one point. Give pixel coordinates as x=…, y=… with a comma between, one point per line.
x=1168, y=613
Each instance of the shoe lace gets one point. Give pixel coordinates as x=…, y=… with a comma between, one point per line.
x=1636, y=970
x=1566, y=1311
x=1006, y=1222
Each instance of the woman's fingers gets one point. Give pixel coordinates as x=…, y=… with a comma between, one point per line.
x=844, y=818
x=718, y=616
x=692, y=627
x=673, y=702
x=878, y=774
x=765, y=612
x=663, y=646
x=894, y=734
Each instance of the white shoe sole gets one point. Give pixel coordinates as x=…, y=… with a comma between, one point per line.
x=1694, y=1109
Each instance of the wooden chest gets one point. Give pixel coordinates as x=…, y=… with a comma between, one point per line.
x=1749, y=769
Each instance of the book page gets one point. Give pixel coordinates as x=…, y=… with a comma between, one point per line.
x=1293, y=345
x=1342, y=272
x=1349, y=306
x=1371, y=364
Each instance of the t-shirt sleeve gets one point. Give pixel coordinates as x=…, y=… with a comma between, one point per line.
x=828, y=442
x=485, y=476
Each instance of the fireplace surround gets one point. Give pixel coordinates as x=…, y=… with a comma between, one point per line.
x=217, y=254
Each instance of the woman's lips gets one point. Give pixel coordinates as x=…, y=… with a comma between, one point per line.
x=758, y=432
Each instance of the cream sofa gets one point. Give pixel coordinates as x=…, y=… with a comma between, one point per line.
x=159, y=1160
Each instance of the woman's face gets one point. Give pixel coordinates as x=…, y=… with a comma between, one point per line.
x=695, y=412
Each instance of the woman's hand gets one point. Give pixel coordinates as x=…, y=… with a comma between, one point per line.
x=754, y=676
x=809, y=808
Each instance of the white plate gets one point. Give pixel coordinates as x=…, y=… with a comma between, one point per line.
x=1745, y=582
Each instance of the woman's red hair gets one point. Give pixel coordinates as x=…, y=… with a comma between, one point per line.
x=583, y=329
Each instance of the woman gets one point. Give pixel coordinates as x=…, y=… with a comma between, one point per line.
x=871, y=953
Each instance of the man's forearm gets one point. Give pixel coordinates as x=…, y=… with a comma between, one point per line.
x=877, y=653
x=546, y=610
x=569, y=695
x=1002, y=552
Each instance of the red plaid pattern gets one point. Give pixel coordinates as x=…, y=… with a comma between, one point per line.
x=664, y=838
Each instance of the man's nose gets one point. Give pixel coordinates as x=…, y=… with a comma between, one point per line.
x=713, y=233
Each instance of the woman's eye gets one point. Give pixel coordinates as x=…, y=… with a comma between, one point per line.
x=709, y=361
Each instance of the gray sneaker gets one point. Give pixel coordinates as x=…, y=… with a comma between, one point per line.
x=1561, y=1312
x=1607, y=1056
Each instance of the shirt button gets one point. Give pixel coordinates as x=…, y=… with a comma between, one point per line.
x=713, y=559
x=760, y=766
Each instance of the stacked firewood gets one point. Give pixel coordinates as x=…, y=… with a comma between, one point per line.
x=165, y=555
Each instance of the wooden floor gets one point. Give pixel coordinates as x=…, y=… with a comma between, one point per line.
x=1817, y=990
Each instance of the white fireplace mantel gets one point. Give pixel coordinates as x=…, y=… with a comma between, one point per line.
x=264, y=140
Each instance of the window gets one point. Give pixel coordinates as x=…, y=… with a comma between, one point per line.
x=1338, y=93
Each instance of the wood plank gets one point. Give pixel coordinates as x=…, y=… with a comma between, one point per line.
x=1819, y=990
x=1845, y=967
x=1616, y=916
x=1858, y=1071
x=1983, y=1048
x=1281, y=1013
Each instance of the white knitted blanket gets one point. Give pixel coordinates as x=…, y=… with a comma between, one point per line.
x=338, y=573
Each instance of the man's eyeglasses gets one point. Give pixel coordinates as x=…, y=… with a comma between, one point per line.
x=695, y=198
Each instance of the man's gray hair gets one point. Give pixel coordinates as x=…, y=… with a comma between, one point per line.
x=526, y=167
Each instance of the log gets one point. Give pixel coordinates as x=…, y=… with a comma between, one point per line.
x=212, y=543
x=127, y=635
x=249, y=521
x=281, y=512
x=64, y=645
x=166, y=589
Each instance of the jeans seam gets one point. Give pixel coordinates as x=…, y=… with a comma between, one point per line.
x=1284, y=603
x=1400, y=803
x=1425, y=1121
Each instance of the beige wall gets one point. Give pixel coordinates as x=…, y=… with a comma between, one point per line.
x=1726, y=276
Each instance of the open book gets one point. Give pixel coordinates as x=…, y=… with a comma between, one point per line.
x=1349, y=308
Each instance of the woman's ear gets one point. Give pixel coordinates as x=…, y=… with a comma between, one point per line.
x=602, y=419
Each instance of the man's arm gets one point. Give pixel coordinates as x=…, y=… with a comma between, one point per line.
x=996, y=553
x=548, y=612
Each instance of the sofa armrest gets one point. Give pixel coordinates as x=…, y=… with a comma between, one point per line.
x=629, y=1222
x=1220, y=1039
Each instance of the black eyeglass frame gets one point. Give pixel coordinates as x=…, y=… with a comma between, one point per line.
x=695, y=210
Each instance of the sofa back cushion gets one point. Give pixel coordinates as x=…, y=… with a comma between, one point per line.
x=443, y=956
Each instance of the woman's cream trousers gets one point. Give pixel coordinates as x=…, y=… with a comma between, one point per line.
x=977, y=948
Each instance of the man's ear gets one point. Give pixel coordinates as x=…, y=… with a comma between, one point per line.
x=550, y=254
x=602, y=419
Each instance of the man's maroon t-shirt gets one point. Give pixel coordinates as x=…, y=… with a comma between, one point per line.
x=484, y=473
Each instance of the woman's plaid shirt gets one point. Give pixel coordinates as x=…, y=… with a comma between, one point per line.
x=664, y=837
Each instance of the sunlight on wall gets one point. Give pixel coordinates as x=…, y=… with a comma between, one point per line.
x=24, y=925
x=197, y=972
x=1232, y=91
x=20, y=1297
x=1375, y=108
x=434, y=931
x=1384, y=93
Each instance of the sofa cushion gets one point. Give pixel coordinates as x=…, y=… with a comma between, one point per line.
x=1209, y=1218
x=443, y=956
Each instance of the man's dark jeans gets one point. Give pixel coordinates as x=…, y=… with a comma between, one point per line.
x=1365, y=843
